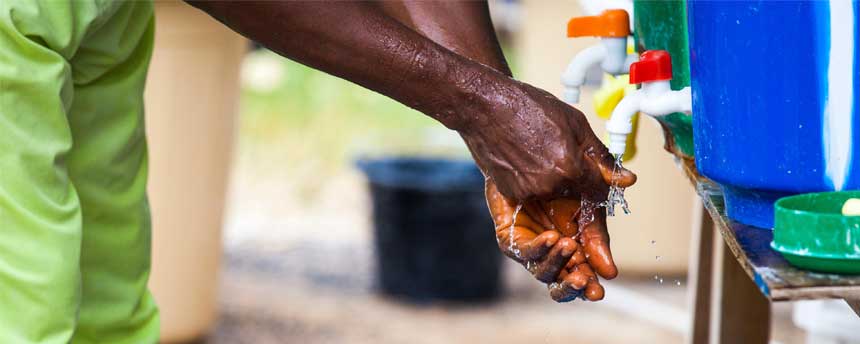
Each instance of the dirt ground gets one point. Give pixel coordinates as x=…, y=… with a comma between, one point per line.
x=309, y=293
x=299, y=272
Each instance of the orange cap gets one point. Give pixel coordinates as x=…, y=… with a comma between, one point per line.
x=610, y=23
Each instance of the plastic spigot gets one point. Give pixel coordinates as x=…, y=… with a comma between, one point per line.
x=655, y=98
x=609, y=23
x=653, y=65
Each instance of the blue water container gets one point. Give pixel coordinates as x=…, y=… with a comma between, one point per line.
x=775, y=87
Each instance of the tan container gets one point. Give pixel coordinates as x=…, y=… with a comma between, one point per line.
x=191, y=101
x=662, y=201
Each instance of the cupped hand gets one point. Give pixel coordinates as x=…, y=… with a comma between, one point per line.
x=563, y=242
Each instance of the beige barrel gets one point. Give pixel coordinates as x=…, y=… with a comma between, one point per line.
x=191, y=102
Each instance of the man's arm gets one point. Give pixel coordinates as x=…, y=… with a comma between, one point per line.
x=463, y=27
x=530, y=143
x=548, y=250
x=357, y=42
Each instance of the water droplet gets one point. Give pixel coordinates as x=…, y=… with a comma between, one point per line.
x=661, y=281
x=789, y=171
x=677, y=282
x=653, y=242
x=656, y=277
x=512, y=246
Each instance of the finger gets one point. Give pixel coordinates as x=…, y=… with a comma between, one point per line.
x=505, y=212
x=584, y=277
x=548, y=268
x=595, y=242
x=538, y=247
x=578, y=277
x=611, y=173
x=563, y=292
x=510, y=236
x=594, y=291
x=501, y=208
x=577, y=258
x=526, y=241
x=511, y=239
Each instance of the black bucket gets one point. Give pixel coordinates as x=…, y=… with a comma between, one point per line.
x=433, y=234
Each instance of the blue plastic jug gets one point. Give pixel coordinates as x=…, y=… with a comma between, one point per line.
x=775, y=89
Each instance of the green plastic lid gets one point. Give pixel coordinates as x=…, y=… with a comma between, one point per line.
x=811, y=232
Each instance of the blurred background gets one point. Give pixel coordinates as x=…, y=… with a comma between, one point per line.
x=265, y=229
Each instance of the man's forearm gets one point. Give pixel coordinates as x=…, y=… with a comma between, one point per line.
x=463, y=27
x=357, y=42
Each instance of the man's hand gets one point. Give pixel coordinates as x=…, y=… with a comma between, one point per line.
x=562, y=242
x=534, y=146
x=442, y=58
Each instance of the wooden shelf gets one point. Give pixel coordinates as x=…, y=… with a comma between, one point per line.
x=772, y=274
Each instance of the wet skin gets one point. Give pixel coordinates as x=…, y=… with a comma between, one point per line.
x=443, y=59
x=547, y=233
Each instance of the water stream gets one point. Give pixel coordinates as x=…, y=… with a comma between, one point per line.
x=512, y=246
x=616, y=193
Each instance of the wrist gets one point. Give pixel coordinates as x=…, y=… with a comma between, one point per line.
x=478, y=92
x=456, y=91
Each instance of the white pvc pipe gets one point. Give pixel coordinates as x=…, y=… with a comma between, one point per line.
x=574, y=74
x=612, y=56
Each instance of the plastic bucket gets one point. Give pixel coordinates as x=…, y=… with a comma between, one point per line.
x=433, y=234
x=811, y=232
x=774, y=89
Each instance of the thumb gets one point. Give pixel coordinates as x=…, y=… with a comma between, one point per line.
x=609, y=170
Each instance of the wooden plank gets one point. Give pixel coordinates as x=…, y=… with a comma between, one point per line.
x=772, y=274
x=854, y=304
x=740, y=313
x=699, y=276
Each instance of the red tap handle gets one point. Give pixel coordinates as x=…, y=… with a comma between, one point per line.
x=653, y=65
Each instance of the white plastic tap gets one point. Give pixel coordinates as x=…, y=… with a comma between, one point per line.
x=612, y=26
x=655, y=98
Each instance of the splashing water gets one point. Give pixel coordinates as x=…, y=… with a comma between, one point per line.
x=512, y=246
x=616, y=193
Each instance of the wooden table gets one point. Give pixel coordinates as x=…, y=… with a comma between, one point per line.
x=733, y=281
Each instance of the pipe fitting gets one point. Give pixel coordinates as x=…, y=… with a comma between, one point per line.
x=655, y=98
x=612, y=26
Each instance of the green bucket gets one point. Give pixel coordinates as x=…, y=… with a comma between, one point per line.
x=811, y=232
